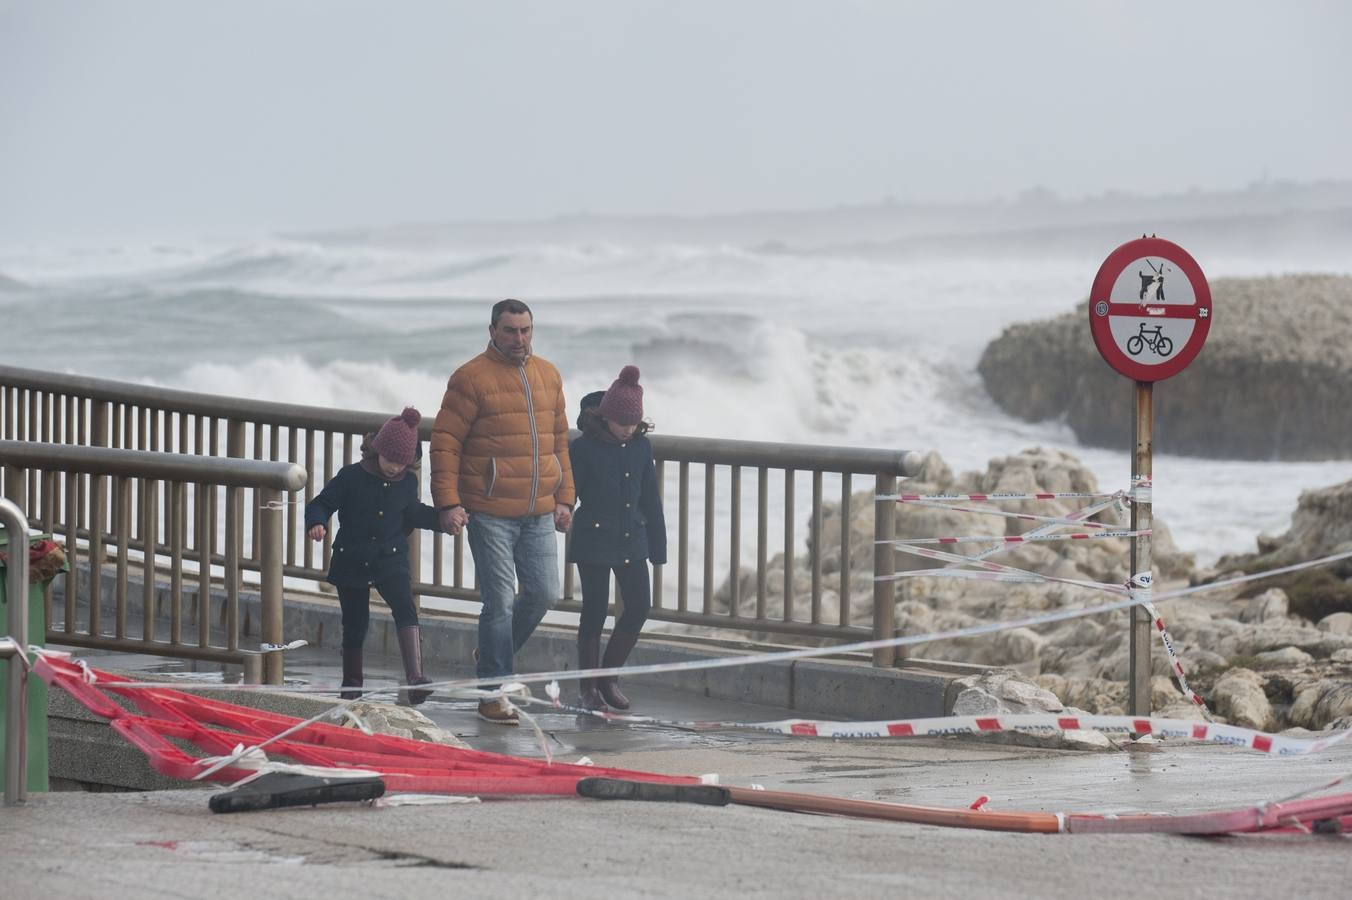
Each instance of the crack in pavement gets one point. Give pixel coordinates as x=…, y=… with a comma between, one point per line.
x=414, y=860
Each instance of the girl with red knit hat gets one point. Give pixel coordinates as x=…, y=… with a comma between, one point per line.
x=618, y=528
x=378, y=507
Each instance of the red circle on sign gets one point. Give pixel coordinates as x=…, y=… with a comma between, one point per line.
x=1104, y=309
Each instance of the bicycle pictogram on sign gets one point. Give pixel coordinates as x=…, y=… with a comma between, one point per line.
x=1153, y=338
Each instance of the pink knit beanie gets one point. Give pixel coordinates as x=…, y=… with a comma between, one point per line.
x=623, y=403
x=398, y=437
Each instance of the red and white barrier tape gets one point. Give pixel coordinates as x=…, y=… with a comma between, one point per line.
x=964, y=575
x=1026, y=517
x=1175, y=664
x=998, y=496
x=996, y=572
x=1021, y=538
x=998, y=568
x=1077, y=516
x=20, y=650
x=1211, y=732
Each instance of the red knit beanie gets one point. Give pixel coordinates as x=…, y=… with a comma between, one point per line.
x=398, y=438
x=623, y=403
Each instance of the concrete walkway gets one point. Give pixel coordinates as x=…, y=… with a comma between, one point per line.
x=167, y=844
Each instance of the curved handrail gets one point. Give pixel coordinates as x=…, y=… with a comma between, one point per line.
x=677, y=448
x=15, y=524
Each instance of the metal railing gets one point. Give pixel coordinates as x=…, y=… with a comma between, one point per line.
x=90, y=496
x=44, y=406
x=16, y=699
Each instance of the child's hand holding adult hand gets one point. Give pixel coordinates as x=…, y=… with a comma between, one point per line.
x=453, y=519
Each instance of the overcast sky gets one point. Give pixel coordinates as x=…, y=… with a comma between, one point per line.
x=208, y=114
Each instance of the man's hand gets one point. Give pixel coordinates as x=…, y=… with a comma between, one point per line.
x=317, y=532
x=563, y=518
x=453, y=519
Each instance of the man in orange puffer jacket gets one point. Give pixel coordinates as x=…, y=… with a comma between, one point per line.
x=500, y=465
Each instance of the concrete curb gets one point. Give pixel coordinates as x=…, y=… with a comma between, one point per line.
x=830, y=688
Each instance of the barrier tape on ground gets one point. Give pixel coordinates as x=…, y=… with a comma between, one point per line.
x=1020, y=538
x=1186, y=729
x=170, y=727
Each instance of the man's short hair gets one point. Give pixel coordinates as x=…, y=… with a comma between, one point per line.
x=516, y=307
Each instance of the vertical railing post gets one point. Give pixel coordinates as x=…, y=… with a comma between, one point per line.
x=98, y=426
x=234, y=447
x=272, y=511
x=99, y=436
x=16, y=703
x=16, y=486
x=884, y=566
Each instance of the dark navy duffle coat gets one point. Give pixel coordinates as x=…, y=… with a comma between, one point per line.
x=619, y=519
x=375, y=517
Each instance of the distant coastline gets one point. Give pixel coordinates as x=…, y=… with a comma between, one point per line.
x=1036, y=220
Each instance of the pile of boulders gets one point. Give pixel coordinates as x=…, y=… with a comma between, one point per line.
x=1256, y=654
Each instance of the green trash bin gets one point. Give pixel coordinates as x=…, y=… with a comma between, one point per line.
x=37, y=688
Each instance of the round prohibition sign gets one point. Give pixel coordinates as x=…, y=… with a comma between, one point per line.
x=1149, y=309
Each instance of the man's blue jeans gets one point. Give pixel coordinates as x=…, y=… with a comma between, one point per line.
x=508, y=551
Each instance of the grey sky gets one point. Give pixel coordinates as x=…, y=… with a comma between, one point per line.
x=188, y=114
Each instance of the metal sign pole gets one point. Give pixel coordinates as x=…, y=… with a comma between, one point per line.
x=1128, y=318
x=1143, y=435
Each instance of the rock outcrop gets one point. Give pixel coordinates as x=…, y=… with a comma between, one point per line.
x=1321, y=526
x=1272, y=381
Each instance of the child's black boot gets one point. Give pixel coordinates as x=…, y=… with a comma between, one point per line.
x=617, y=651
x=352, y=673
x=410, y=647
x=589, y=657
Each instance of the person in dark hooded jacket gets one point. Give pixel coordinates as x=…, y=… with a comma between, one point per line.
x=618, y=528
x=378, y=507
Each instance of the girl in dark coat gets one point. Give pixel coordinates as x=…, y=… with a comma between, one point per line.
x=378, y=507
x=618, y=528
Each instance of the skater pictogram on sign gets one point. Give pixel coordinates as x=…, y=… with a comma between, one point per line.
x=1152, y=285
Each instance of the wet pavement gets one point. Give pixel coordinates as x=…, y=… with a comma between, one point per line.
x=167, y=844
x=1173, y=776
